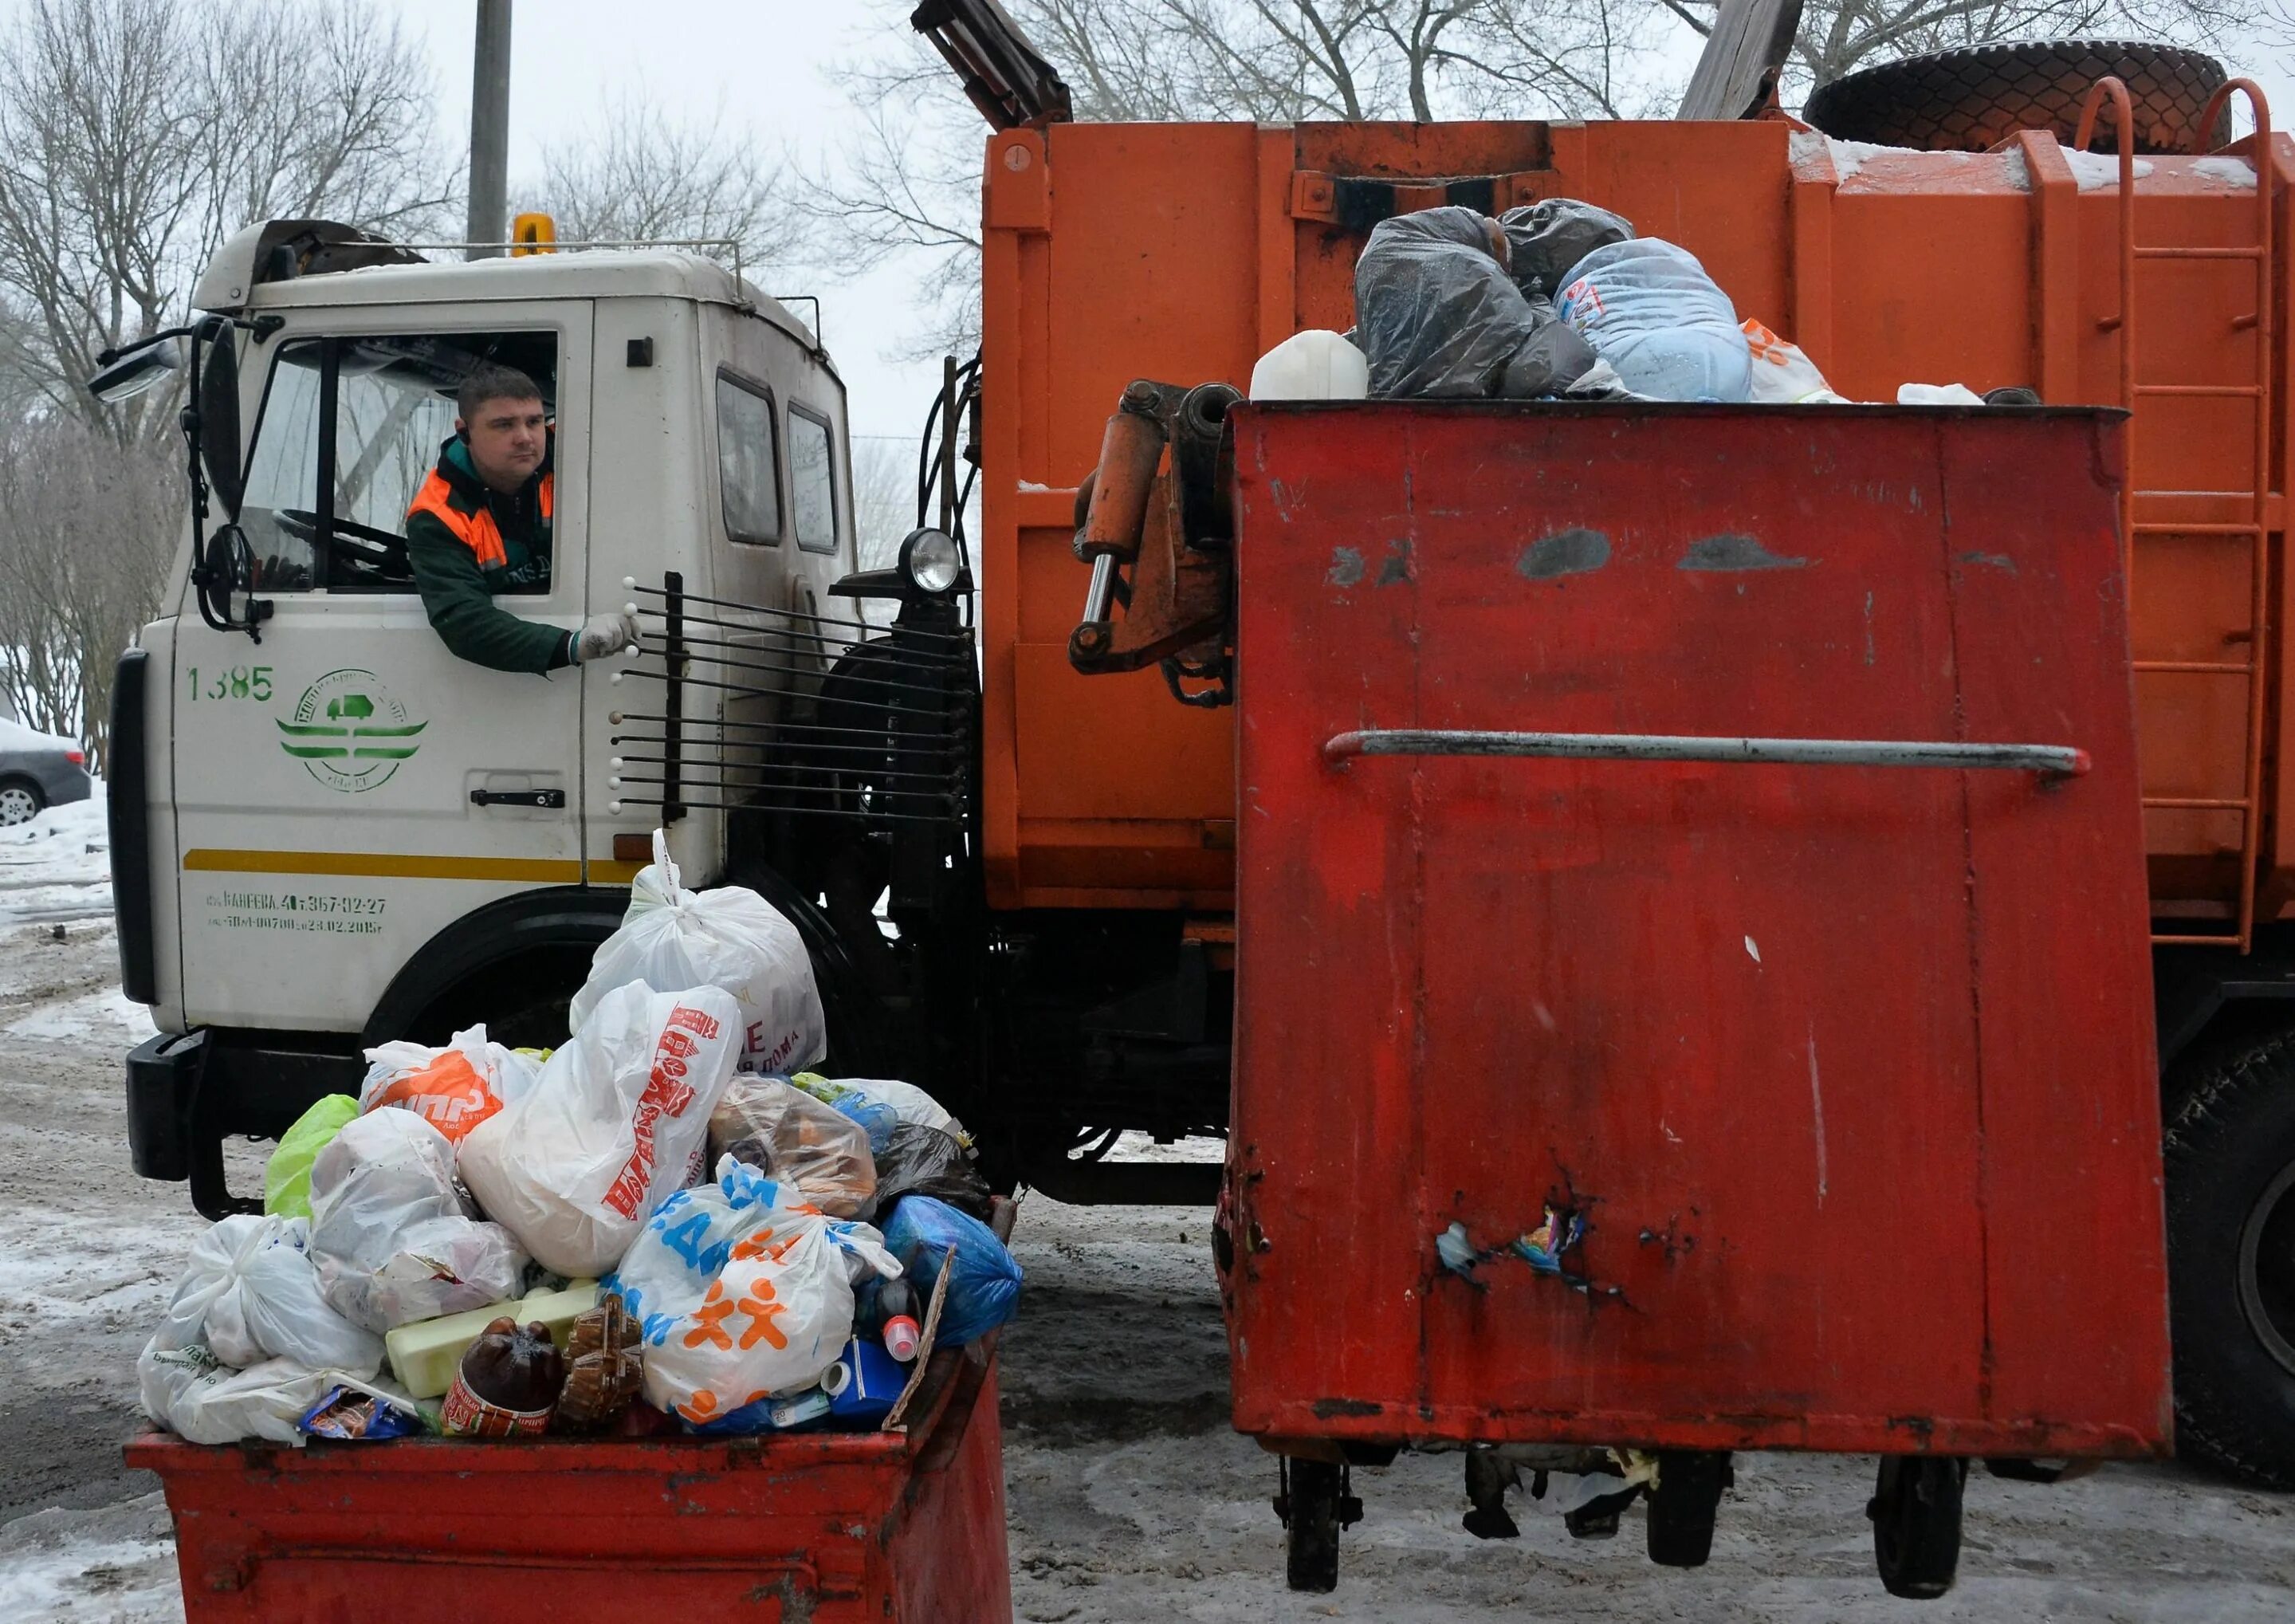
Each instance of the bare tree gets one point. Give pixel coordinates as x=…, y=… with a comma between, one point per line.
x=140, y=132
x=1838, y=38
x=86, y=530
x=646, y=175
x=907, y=183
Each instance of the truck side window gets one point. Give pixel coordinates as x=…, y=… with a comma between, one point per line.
x=328, y=510
x=282, y=472
x=394, y=415
x=748, y=463
x=812, y=480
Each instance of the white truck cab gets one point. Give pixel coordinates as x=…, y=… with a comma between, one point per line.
x=328, y=830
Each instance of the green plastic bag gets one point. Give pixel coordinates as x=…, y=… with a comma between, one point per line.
x=287, y=1178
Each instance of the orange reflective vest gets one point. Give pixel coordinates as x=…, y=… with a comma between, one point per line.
x=476, y=531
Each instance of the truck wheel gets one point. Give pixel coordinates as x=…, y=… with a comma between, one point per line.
x=1314, y=1505
x=1972, y=100
x=2230, y=1145
x=1915, y=1514
x=1684, y=1505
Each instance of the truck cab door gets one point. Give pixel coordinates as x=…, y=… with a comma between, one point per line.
x=346, y=786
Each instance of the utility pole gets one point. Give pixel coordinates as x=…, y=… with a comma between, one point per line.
x=490, y=129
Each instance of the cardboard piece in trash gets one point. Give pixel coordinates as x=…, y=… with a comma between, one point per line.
x=896, y=1419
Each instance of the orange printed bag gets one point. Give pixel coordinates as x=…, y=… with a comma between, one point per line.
x=454, y=1088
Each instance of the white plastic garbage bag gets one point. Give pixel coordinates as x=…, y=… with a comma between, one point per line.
x=1317, y=365
x=392, y=1237
x=618, y=1119
x=672, y=939
x=741, y=1291
x=202, y=1400
x=1783, y=374
x=1937, y=395
x=454, y=1088
x=906, y=1100
x=1649, y=309
x=249, y=1291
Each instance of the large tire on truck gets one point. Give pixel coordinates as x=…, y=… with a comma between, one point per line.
x=2230, y=1143
x=1969, y=100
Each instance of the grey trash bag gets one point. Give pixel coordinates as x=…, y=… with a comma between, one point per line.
x=1549, y=237
x=1437, y=315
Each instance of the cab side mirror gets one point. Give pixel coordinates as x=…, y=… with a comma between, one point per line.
x=129, y=372
x=218, y=423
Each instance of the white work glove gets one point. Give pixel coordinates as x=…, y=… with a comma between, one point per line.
x=605, y=635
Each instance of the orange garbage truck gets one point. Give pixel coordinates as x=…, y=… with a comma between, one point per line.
x=2140, y=263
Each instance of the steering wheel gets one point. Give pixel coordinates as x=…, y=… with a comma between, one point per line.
x=358, y=551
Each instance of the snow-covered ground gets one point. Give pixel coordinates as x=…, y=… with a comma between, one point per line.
x=57, y=866
x=1131, y=1499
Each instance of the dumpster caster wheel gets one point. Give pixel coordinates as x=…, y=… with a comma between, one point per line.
x=1488, y=1476
x=1684, y=1504
x=1915, y=1514
x=1315, y=1503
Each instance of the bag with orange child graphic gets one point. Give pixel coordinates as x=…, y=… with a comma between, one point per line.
x=741, y=1290
x=456, y=1087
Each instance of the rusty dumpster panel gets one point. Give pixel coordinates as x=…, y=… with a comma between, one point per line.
x=1783, y=1106
x=811, y=1527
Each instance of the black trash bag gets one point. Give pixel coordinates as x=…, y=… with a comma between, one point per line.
x=1547, y=239
x=921, y=1161
x=1438, y=316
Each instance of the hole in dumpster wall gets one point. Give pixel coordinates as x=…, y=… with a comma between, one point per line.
x=1346, y=567
x=1734, y=552
x=1566, y=553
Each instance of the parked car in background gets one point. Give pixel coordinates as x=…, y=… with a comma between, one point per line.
x=38, y=771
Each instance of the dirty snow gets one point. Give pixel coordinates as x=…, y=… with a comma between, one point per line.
x=57, y=867
x=2091, y=171
x=1131, y=1497
x=2100, y=171
x=2235, y=172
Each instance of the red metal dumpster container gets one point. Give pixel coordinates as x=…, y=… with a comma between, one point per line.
x=815, y=1526
x=1833, y=1067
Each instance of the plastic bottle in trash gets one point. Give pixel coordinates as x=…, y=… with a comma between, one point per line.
x=506, y=1385
x=1649, y=309
x=901, y=1318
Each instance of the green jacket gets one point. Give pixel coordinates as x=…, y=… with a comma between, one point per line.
x=467, y=543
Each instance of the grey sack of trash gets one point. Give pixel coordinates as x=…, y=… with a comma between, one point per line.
x=1549, y=237
x=1437, y=315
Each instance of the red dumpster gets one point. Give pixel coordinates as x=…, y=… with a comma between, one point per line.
x=816, y=1526
x=1690, y=857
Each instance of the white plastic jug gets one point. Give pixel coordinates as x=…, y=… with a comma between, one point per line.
x=1649, y=309
x=1317, y=365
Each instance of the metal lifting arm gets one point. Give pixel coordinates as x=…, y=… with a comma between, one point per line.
x=1010, y=83
x=1159, y=543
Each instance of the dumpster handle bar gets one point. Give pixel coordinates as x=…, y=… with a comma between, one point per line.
x=2061, y=760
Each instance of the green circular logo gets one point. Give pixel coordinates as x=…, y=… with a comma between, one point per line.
x=349, y=732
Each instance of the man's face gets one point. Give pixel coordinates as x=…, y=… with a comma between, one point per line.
x=507, y=440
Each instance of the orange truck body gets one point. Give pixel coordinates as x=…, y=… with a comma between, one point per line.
x=1183, y=252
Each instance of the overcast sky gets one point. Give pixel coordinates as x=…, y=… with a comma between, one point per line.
x=766, y=61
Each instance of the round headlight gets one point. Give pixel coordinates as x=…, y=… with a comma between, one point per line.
x=930, y=561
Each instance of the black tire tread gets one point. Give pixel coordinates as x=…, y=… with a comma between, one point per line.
x=1972, y=99
x=2211, y=1100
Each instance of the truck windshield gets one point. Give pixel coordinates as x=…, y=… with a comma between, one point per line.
x=350, y=428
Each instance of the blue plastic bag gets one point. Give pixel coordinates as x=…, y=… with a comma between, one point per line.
x=1649, y=309
x=983, y=1285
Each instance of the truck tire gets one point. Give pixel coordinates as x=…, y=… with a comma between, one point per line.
x=2230, y=1148
x=1972, y=100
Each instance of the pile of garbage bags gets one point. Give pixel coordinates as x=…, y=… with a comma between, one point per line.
x=1555, y=300
x=661, y=1224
